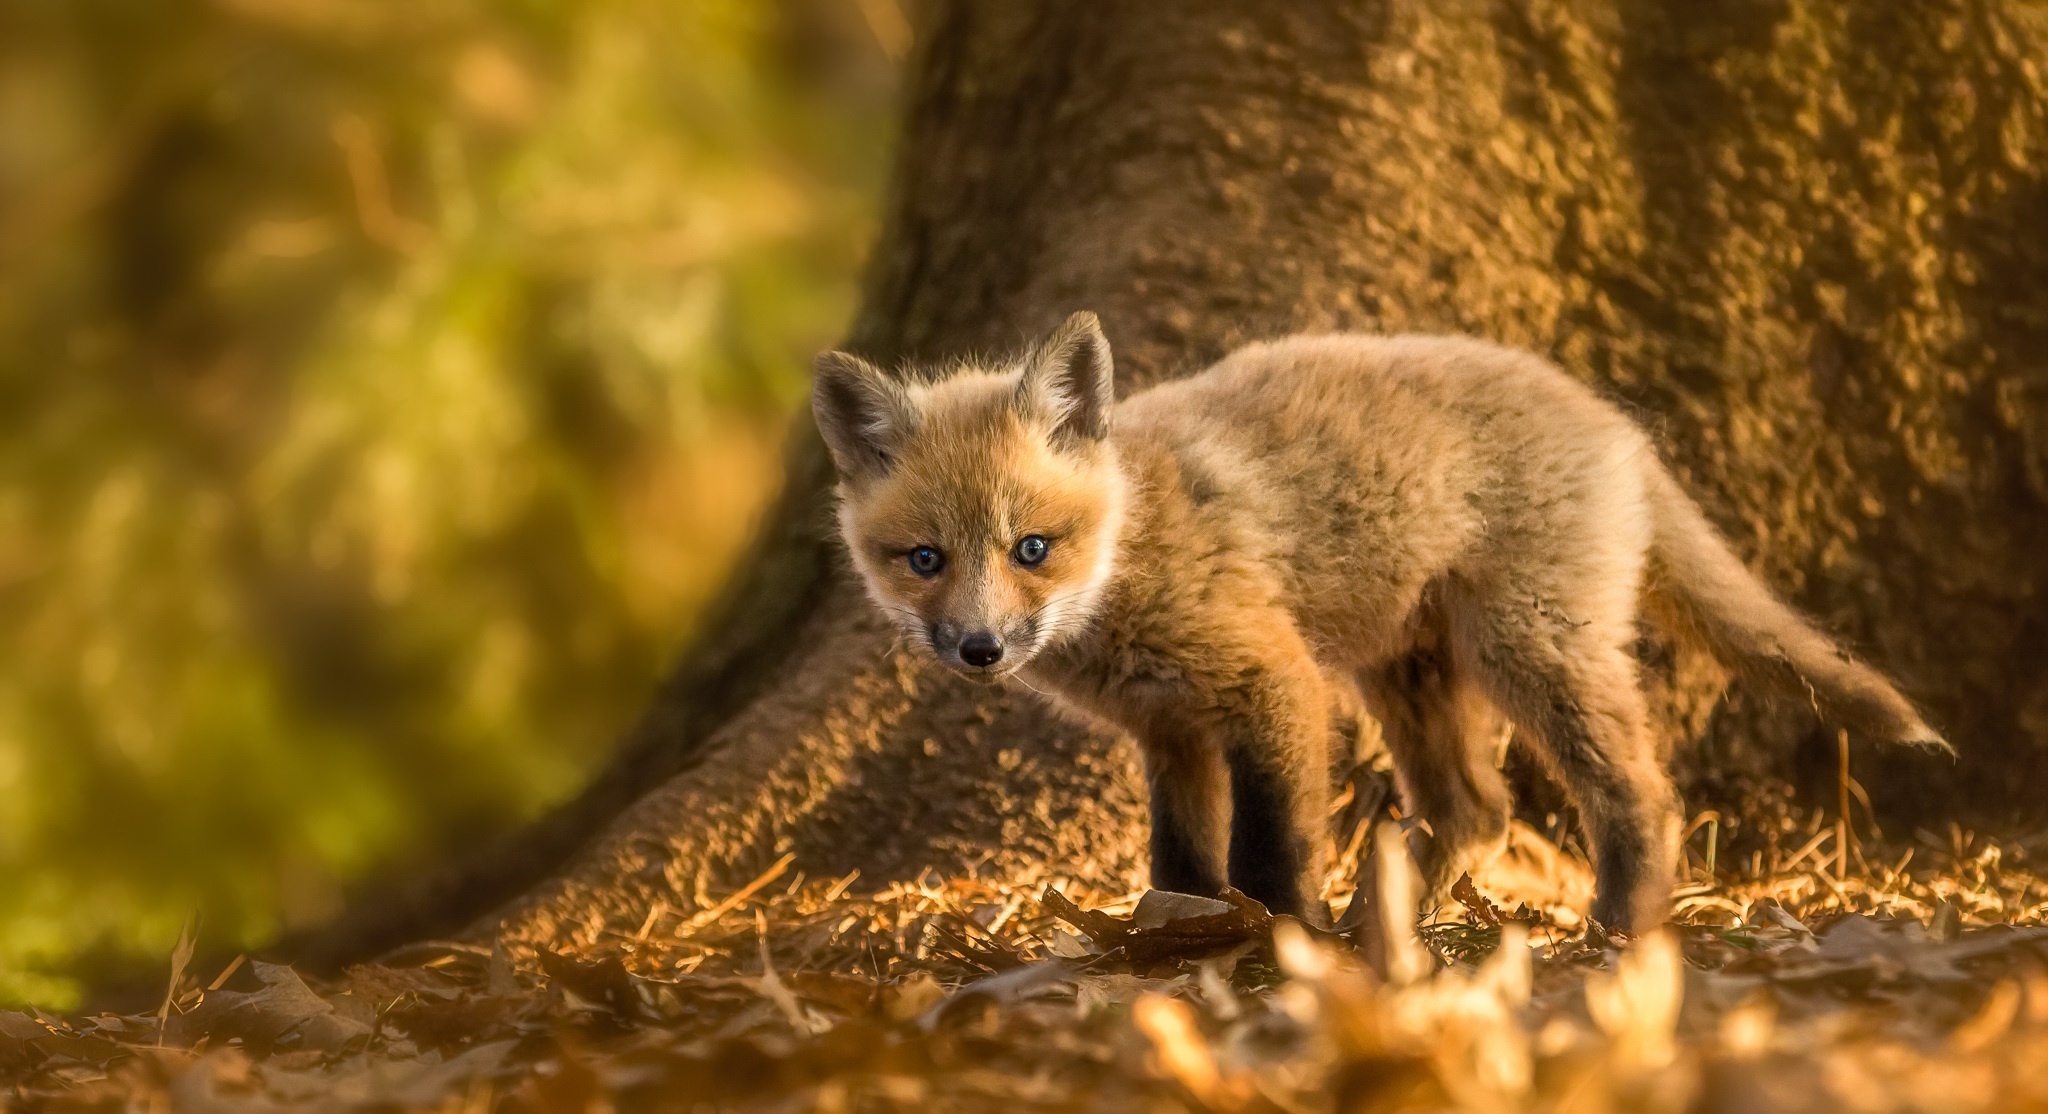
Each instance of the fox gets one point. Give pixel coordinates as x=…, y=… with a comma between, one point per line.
x=1461, y=531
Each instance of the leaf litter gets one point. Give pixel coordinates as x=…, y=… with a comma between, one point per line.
x=1795, y=985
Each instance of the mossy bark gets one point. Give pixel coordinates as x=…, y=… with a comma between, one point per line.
x=1802, y=240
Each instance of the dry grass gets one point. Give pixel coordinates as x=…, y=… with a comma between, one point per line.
x=1794, y=985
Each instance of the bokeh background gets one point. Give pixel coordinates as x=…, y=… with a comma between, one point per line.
x=384, y=387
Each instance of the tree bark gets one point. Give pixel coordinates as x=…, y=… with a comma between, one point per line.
x=1800, y=239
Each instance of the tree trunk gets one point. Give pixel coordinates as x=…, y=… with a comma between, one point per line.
x=1802, y=240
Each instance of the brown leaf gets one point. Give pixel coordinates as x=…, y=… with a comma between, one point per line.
x=1172, y=926
x=444, y=1023
x=1104, y=931
x=1858, y=949
x=260, y=1019
x=1004, y=988
x=1469, y=896
x=18, y=1034
x=605, y=984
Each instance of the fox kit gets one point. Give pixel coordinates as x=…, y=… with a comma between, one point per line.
x=1461, y=530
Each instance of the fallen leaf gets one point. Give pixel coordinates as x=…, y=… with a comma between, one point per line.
x=284, y=1007
x=1181, y=926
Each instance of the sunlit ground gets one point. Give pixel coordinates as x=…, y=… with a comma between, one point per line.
x=1795, y=987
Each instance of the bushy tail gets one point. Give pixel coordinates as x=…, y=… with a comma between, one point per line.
x=1748, y=628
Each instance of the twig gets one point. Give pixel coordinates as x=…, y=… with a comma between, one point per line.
x=1842, y=831
x=221, y=979
x=654, y=914
x=729, y=904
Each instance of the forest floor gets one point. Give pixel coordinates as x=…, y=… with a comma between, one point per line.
x=1918, y=982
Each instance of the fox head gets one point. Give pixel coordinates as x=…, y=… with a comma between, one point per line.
x=981, y=508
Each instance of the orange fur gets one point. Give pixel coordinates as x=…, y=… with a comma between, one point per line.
x=1461, y=530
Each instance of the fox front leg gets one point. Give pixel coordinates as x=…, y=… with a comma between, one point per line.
x=1273, y=835
x=1276, y=748
x=1190, y=797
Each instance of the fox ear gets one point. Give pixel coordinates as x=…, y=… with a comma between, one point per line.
x=861, y=412
x=1071, y=379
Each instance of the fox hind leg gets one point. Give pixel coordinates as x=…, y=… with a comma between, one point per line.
x=1574, y=691
x=1443, y=735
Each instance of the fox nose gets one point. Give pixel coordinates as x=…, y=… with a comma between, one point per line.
x=981, y=649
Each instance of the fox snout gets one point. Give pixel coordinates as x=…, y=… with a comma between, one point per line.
x=981, y=649
x=976, y=648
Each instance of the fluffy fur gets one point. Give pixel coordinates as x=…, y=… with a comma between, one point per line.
x=1461, y=530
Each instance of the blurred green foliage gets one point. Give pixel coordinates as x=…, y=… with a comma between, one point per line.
x=384, y=385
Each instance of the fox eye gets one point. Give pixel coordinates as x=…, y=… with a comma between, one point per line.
x=926, y=561
x=1031, y=549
